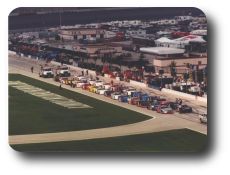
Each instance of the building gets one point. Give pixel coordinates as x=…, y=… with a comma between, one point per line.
x=82, y=34
x=162, y=57
x=98, y=50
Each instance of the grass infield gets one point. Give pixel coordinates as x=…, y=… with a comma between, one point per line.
x=182, y=140
x=29, y=114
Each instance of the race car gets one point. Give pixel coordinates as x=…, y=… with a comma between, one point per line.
x=101, y=91
x=115, y=95
x=123, y=98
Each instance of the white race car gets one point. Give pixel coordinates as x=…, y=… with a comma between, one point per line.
x=106, y=86
x=115, y=95
x=80, y=84
x=92, y=82
x=101, y=91
x=98, y=83
x=81, y=78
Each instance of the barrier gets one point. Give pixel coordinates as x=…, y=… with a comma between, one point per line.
x=91, y=72
x=184, y=95
x=136, y=83
x=12, y=52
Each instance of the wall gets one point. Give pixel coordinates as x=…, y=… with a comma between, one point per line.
x=136, y=83
x=184, y=95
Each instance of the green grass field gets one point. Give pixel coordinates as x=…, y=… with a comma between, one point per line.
x=29, y=114
x=182, y=140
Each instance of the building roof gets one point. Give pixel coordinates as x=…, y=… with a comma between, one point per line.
x=190, y=38
x=162, y=50
x=164, y=40
x=199, y=32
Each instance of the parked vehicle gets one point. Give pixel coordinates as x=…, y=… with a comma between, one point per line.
x=115, y=95
x=86, y=86
x=108, y=93
x=81, y=83
x=136, y=94
x=129, y=91
x=203, y=118
x=101, y=91
x=173, y=105
x=98, y=83
x=63, y=71
x=46, y=72
x=184, y=109
x=143, y=104
x=164, y=109
x=81, y=78
x=123, y=98
x=106, y=86
x=133, y=100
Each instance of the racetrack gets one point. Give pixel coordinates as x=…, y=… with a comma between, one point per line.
x=158, y=122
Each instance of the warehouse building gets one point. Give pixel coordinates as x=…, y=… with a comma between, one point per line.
x=162, y=57
x=98, y=50
x=90, y=34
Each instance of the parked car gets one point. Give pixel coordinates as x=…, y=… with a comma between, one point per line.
x=101, y=91
x=133, y=100
x=98, y=83
x=129, y=91
x=115, y=95
x=80, y=84
x=203, y=118
x=143, y=104
x=136, y=94
x=108, y=93
x=81, y=78
x=165, y=109
x=106, y=86
x=184, y=109
x=123, y=98
x=173, y=105
x=86, y=86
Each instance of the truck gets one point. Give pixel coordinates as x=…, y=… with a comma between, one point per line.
x=63, y=71
x=46, y=72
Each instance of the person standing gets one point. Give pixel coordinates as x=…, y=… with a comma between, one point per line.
x=32, y=69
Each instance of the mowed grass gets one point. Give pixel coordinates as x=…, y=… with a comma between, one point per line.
x=29, y=114
x=182, y=140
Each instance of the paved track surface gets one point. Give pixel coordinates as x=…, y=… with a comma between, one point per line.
x=159, y=122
